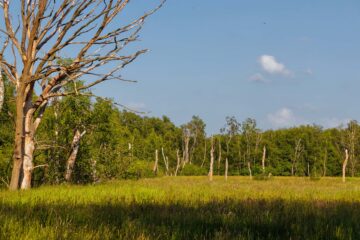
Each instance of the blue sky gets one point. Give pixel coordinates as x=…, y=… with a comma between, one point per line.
x=281, y=62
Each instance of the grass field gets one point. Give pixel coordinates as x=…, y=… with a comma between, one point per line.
x=186, y=208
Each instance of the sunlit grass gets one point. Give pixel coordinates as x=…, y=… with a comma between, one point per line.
x=186, y=208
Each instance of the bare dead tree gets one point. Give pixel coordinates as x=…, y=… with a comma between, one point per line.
x=70, y=163
x=211, y=170
x=155, y=168
x=219, y=155
x=178, y=163
x=186, y=140
x=166, y=162
x=263, y=159
x=249, y=168
x=88, y=32
x=345, y=164
x=226, y=168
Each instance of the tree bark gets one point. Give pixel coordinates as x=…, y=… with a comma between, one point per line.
x=344, y=165
x=249, y=167
x=74, y=151
x=211, y=170
x=166, y=161
x=178, y=162
x=219, y=157
x=155, y=168
x=263, y=159
x=226, y=168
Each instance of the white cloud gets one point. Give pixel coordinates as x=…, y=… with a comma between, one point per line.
x=258, y=78
x=272, y=66
x=284, y=117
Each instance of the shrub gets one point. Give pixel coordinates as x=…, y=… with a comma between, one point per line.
x=193, y=170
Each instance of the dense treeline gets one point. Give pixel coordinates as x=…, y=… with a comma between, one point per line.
x=92, y=140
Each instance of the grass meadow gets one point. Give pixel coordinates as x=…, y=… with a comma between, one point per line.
x=186, y=208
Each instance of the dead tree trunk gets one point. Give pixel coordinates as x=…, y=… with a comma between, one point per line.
x=211, y=170
x=166, y=162
x=178, y=162
x=226, y=168
x=219, y=157
x=155, y=168
x=249, y=167
x=70, y=163
x=186, y=155
x=263, y=159
x=344, y=165
x=93, y=172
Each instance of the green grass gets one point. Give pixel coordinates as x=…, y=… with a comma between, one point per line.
x=186, y=208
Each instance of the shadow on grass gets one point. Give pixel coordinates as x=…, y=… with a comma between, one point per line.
x=229, y=219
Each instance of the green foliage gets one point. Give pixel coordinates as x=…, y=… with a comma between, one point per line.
x=140, y=169
x=193, y=170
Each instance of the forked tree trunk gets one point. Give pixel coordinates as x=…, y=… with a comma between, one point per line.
x=226, y=168
x=263, y=159
x=211, y=170
x=74, y=151
x=344, y=165
x=155, y=168
x=249, y=168
x=178, y=162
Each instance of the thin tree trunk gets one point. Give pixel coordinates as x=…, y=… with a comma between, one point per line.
x=344, y=165
x=263, y=159
x=226, y=168
x=219, y=157
x=178, y=162
x=249, y=167
x=166, y=162
x=74, y=151
x=211, y=170
x=155, y=168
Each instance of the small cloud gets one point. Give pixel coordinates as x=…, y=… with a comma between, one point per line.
x=284, y=117
x=272, y=66
x=257, y=78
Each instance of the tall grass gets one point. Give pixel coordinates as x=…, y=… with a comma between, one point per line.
x=186, y=208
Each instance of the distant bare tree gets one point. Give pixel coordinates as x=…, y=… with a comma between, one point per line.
x=345, y=164
x=211, y=170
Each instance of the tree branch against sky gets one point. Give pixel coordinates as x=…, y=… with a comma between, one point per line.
x=36, y=35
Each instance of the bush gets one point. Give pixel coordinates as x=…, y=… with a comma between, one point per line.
x=193, y=170
x=139, y=169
